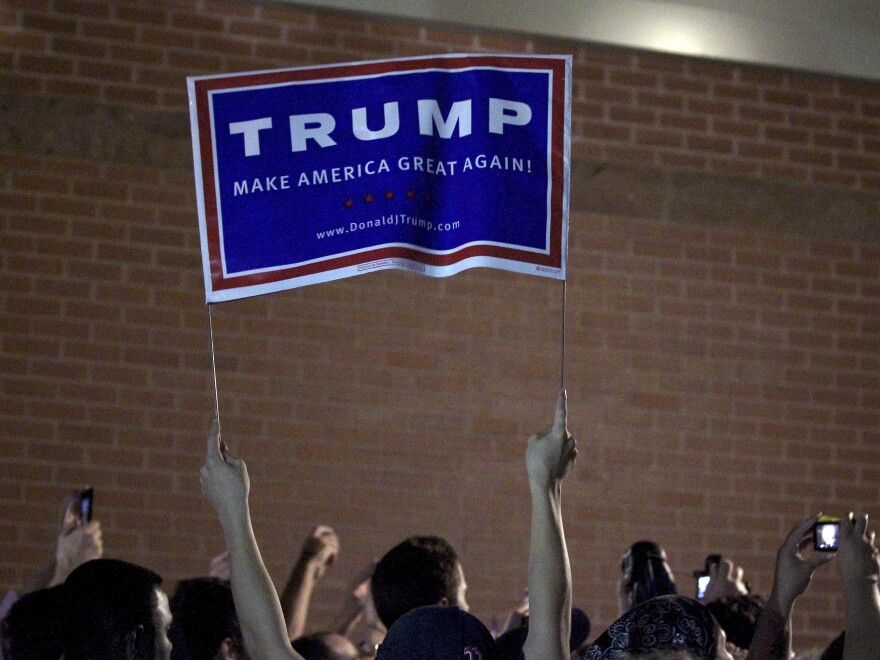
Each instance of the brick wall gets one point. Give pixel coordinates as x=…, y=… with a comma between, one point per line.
x=723, y=318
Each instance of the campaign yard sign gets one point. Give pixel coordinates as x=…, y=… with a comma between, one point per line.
x=432, y=164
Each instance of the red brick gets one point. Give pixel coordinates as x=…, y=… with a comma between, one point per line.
x=860, y=88
x=51, y=24
x=136, y=54
x=79, y=47
x=811, y=157
x=683, y=160
x=718, y=145
x=810, y=120
x=858, y=163
x=685, y=84
x=735, y=128
x=142, y=15
x=54, y=64
x=739, y=92
x=710, y=107
x=81, y=8
x=225, y=45
x=108, y=30
x=32, y=41
x=104, y=71
x=130, y=94
x=684, y=121
x=630, y=154
x=762, y=114
x=785, y=97
x=67, y=87
x=835, y=179
x=859, y=126
x=632, y=115
x=660, y=100
x=258, y=29
x=633, y=78
x=833, y=104
x=760, y=150
x=597, y=92
x=783, y=172
x=791, y=135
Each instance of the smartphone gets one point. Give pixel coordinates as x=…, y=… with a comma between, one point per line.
x=826, y=534
x=704, y=575
x=702, y=583
x=86, y=500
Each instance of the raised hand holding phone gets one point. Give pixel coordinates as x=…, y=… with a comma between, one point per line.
x=79, y=537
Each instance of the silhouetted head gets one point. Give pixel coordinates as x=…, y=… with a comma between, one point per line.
x=646, y=573
x=115, y=610
x=422, y=570
x=738, y=616
x=34, y=627
x=205, y=621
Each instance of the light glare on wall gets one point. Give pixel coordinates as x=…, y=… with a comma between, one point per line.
x=675, y=39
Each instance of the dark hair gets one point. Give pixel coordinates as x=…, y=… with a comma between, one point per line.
x=203, y=615
x=649, y=573
x=106, y=601
x=420, y=571
x=738, y=617
x=32, y=630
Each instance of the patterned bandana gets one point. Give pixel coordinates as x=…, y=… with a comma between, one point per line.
x=663, y=623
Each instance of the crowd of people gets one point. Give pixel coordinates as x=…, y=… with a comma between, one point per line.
x=411, y=604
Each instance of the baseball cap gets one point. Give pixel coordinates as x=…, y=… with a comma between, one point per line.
x=437, y=632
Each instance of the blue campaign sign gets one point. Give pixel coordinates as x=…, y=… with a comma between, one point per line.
x=431, y=164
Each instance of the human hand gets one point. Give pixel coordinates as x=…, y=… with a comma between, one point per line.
x=224, y=478
x=220, y=567
x=725, y=581
x=518, y=617
x=360, y=584
x=857, y=558
x=320, y=550
x=794, y=569
x=551, y=454
x=70, y=513
x=75, y=547
x=358, y=604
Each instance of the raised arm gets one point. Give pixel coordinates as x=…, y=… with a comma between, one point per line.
x=225, y=483
x=549, y=458
x=358, y=604
x=725, y=581
x=318, y=552
x=794, y=570
x=859, y=568
x=77, y=542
